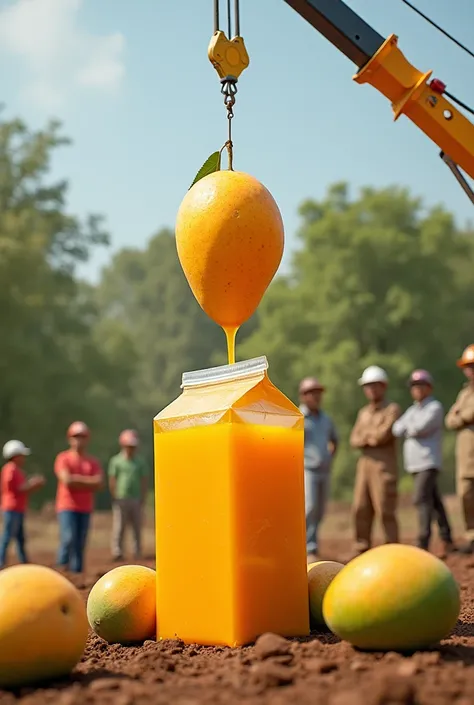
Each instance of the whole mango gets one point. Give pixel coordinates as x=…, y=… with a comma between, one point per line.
x=229, y=237
x=392, y=598
x=121, y=606
x=43, y=625
x=320, y=576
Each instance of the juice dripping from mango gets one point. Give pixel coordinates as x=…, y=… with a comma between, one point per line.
x=230, y=333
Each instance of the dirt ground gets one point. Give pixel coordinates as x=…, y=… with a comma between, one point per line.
x=316, y=670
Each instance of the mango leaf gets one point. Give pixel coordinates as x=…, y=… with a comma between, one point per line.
x=212, y=164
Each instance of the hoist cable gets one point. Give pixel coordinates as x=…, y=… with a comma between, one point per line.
x=459, y=102
x=229, y=25
x=453, y=39
x=229, y=18
x=439, y=28
x=237, y=18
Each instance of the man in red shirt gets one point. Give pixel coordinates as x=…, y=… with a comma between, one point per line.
x=79, y=477
x=15, y=490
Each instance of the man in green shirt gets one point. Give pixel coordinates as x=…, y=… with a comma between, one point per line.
x=128, y=486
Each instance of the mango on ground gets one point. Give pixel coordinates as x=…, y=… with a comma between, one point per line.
x=43, y=625
x=121, y=607
x=320, y=575
x=393, y=598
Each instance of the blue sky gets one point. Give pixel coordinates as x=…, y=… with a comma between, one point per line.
x=132, y=83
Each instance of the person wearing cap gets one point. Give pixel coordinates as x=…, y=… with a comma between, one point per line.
x=79, y=478
x=16, y=488
x=320, y=445
x=375, y=491
x=128, y=475
x=421, y=427
x=460, y=418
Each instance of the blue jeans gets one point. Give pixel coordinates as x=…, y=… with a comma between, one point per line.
x=316, y=489
x=73, y=529
x=13, y=528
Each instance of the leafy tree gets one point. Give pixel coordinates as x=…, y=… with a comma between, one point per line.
x=47, y=357
x=145, y=299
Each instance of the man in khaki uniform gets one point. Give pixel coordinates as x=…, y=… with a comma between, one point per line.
x=375, y=492
x=460, y=418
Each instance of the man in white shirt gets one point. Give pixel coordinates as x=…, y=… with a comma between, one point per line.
x=421, y=427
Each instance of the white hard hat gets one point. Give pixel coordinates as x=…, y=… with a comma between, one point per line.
x=13, y=448
x=373, y=374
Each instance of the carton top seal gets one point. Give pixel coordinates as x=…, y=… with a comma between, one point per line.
x=225, y=373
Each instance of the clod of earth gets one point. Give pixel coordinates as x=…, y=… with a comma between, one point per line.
x=269, y=645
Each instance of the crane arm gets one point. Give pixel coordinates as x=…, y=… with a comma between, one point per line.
x=411, y=92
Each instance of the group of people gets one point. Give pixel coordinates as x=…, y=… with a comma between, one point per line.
x=375, y=434
x=79, y=477
x=379, y=424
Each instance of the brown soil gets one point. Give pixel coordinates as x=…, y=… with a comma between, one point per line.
x=275, y=671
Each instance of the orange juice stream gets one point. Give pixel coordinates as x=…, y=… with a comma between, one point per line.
x=230, y=333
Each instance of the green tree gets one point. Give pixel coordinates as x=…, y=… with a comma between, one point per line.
x=145, y=300
x=49, y=363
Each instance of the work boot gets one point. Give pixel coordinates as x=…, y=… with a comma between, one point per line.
x=448, y=548
x=467, y=549
x=423, y=545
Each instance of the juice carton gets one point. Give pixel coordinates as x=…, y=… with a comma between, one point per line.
x=230, y=517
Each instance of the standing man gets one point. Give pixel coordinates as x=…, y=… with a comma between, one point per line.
x=79, y=478
x=375, y=492
x=460, y=418
x=421, y=427
x=320, y=445
x=15, y=490
x=128, y=475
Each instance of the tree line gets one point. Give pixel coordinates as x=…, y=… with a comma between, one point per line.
x=377, y=277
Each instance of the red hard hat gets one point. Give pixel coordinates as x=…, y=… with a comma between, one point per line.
x=421, y=377
x=310, y=384
x=78, y=428
x=128, y=438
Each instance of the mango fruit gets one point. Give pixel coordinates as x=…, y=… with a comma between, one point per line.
x=320, y=575
x=392, y=598
x=43, y=625
x=229, y=238
x=121, y=607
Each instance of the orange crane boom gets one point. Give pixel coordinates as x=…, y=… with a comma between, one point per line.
x=411, y=92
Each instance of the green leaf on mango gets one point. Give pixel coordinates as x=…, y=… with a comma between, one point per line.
x=212, y=164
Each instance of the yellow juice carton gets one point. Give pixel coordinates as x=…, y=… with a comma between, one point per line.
x=230, y=516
